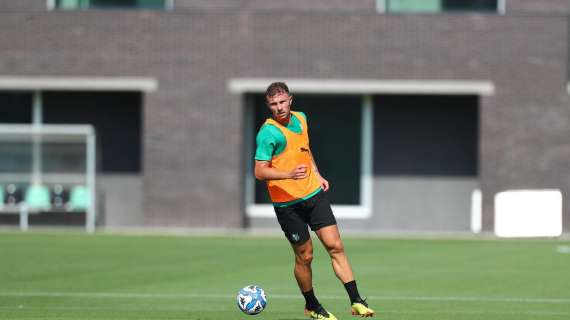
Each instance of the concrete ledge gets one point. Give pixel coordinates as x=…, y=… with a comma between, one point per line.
x=361, y=86
x=78, y=83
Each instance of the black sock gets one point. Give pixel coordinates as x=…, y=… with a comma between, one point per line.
x=311, y=302
x=352, y=291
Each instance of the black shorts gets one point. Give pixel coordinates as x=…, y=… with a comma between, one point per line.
x=314, y=212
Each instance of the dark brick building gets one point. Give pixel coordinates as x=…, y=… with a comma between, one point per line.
x=434, y=105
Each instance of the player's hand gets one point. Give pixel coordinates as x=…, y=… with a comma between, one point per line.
x=324, y=183
x=300, y=172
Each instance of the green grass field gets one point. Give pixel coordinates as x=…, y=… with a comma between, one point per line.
x=80, y=276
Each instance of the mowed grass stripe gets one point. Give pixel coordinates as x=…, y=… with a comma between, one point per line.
x=222, y=308
x=208, y=296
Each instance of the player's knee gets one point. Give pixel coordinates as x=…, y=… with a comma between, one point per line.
x=335, y=247
x=305, y=258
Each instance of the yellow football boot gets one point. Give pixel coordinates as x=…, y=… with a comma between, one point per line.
x=319, y=314
x=361, y=308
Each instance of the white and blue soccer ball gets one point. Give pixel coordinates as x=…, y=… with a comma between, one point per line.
x=251, y=300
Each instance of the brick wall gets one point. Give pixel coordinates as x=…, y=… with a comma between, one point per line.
x=553, y=7
x=23, y=5
x=193, y=127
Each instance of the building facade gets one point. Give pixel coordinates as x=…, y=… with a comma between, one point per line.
x=432, y=106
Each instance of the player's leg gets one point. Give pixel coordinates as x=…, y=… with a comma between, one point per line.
x=304, y=275
x=323, y=222
x=330, y=238
x=294, y=227
x=324, y=225
x=303, y=258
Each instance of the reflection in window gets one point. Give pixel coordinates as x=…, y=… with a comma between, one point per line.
x=110, y=4
x=435, y=6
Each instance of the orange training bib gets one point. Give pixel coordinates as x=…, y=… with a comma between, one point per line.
x=296, y=152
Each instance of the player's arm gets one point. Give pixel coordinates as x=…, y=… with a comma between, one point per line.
x=324, y=182
x=263, y=171
x=270, y=139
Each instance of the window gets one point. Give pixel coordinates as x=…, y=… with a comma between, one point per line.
x=426, y=135
x=414, y=142
x=339, y=132
x=15, y=108
x=110, y=4
x=116, y=116
x=436, y=6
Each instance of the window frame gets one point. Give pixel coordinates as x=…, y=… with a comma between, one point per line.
x=362, y=210
x=366, y=88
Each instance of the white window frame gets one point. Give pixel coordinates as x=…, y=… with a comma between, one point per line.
x=382, y=5
x=362, y=210
x=501, y=6
x=50, y=5
x=169, y=5
x=366, y=88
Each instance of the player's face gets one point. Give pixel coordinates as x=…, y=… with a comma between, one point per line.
x=280, y=106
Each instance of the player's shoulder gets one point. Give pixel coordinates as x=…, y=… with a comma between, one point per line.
x=269, y=130
x=302, y=114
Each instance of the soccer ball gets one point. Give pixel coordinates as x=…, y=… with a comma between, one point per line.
x=251, y=300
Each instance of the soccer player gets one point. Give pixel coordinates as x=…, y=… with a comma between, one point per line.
x=284, y=161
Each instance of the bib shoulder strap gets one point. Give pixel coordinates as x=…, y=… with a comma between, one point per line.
x=302, y=120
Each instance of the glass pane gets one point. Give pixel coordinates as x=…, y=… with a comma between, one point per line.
x=16, y=156
x=422, y=135
x=117, y=118
x=68, y=4
x=15, y=107
x=414, y=6
x=104, y=4
x=334, y=132
x=63, y=157
x=151, y=4
x=112, y=3
x=469, y=5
